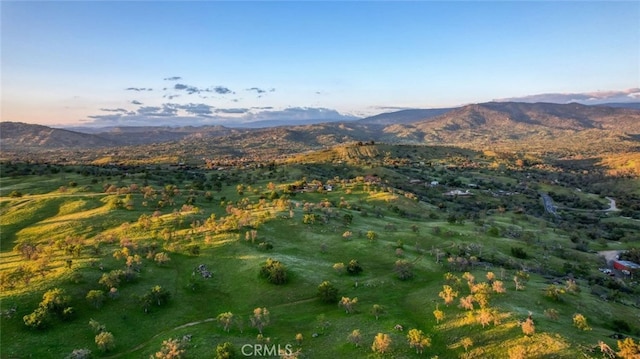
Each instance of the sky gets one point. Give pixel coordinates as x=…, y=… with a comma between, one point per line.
x=104, y=63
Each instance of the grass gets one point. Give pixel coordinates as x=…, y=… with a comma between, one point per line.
x=307, y=250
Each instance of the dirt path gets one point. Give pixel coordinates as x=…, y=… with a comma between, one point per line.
x=612, y=205
x=610, y=256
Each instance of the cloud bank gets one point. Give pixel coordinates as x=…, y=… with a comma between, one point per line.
x=587, y=98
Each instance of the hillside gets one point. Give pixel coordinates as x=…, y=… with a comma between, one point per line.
x=404, y=116
x=22, y=136
x=155, y=255
x=555, y=129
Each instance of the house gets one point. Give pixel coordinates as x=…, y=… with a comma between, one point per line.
x=626, y=265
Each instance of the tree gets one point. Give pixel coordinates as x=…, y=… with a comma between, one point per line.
x=580, y=322
x=528, y=327
x=498, y=287
x=55, y=300
x=418, y=340
x=551, y=314
x=381, y=343
x=485, y=316
x=403, y=269
x=606, y=350
x=554, y=292
x=354, y=267
x=438, y=314
x=160, y=295
x=225, y=351
x=274, y=271
x=225, y=319
x=628, y=349
x=96, y=326
x=339, y=268
x=348, y=304
x=96, y=298
x=299, y=338
x=38, y=319
x=371, y=236
x=355, y=337
x=448, y=294
x=105, y=341
x=327, y=292
x=260, y=318
x=466, y=343
x=161, y=258
x=377, y=310
x=171, y=349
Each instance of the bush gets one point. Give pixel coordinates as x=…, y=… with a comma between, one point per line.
x=327, y=292
x=354, y=267
x=519, y=253
x=274, y=271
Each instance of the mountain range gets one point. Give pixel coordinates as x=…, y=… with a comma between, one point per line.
x=536, y=125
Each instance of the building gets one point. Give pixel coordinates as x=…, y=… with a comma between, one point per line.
x=626, y=265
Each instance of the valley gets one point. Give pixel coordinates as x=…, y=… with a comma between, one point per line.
x=466, y=235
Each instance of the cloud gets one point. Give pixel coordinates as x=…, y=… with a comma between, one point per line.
x=198, y=114
x=293, y=114
x=587, y=98
x=114, y=110
x=138, y=89
x=166, y=110
x=232, y=110
x=222, y=90
x=257, y=90
x=136, y=102
x=198, y=109
x=189, y=89
x=173, y=78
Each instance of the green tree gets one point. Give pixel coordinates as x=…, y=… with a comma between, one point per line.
x=403, y=269
x=580, y=322
x=274, y=271
x=225, y=351
x=371, y=236
x=354, y=267
x=225, y=319
x=327, y=292
x=105, y=341
x=96, y=298
x=377, y=310
x=38, y=319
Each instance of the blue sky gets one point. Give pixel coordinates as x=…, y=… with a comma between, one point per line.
x=155, y=62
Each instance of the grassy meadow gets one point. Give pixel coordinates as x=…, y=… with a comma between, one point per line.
x=69, y=229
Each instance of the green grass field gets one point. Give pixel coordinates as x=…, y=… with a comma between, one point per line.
x=102, y=224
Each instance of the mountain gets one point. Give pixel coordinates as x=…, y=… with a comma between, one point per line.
x=633, y=105
x=404, y=116
x=517, y=124
x=23, y=136
x=546, y=127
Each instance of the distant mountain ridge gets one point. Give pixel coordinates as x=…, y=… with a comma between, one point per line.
x=475, y=125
